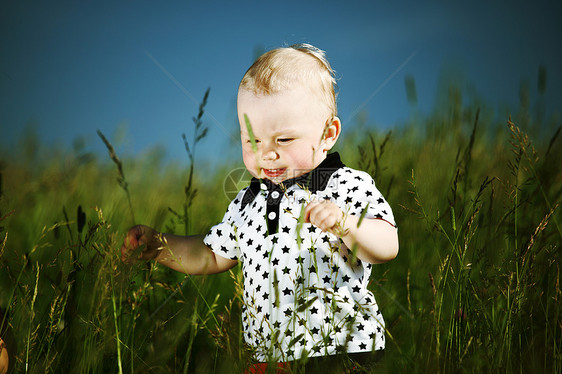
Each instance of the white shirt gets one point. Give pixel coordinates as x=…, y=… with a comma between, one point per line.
x=304, y=295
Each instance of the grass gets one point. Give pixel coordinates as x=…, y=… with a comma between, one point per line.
x=475, y=287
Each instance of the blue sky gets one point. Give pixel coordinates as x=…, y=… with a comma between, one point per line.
x=71, y=68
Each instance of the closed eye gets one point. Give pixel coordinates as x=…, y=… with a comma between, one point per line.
x=285, y=140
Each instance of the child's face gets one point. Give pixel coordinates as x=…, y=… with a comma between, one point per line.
x=293, y=133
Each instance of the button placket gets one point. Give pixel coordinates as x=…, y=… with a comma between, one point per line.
x=272, y=212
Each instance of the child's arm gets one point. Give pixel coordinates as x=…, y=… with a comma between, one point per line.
x=187, y=254
x=376, y=239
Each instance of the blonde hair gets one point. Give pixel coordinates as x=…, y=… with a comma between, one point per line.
x=282, y=68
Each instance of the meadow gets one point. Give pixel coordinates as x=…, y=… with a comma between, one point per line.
x=475, y=287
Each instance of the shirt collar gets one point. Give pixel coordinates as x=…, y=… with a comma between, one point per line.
x=315, y=180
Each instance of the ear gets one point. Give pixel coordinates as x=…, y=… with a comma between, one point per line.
x=331, y=133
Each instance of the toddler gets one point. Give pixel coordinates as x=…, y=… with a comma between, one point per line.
x=306, y=230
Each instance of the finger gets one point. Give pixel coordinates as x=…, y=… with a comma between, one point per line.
x=317, y=216
x=326, y=216
x=131, y=242
x=308, y=210
x=325, y=221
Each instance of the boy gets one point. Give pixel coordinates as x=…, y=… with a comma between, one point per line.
x=306, y=230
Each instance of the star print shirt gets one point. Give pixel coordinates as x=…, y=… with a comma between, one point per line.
x=305, y=294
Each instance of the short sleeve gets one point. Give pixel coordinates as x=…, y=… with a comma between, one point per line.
x=363, y=198
x=222, y=238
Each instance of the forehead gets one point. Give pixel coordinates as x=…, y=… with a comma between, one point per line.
x=297, y=105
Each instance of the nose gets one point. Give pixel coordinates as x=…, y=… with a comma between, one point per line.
x=269, y=153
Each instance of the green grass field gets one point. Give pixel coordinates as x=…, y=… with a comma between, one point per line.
x=475, y=287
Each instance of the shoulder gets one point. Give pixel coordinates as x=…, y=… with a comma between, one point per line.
x=235, y=205
x=353, y=176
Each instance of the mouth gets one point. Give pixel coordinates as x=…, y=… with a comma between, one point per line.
x=274, y=173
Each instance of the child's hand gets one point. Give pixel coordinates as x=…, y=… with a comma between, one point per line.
x=138, y=236
x=325, y=214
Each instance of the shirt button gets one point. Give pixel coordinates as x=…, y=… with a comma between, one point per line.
x=275, y=194
x=271, y=215
x=263, y=186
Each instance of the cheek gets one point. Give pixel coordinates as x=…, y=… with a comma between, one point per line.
x=302, y=158
x=249, y=159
